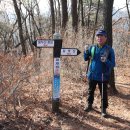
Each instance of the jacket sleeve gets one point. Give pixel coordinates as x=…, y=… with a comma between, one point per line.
x=111, y=59
x=87, y=54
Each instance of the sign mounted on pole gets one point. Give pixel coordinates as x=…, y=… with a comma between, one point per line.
x=44, y=43
x=56, y=80
x=56, y=72
x=70, y=52
x=56, y=66
x=56, y=44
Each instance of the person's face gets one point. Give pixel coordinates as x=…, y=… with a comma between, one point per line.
x=101, y=39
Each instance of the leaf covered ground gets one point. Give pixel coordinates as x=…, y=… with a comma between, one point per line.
x=36, y=112
x=34, y=106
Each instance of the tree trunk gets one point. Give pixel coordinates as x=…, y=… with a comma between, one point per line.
x=39, y=18
x=88, y=20
x=59, y=14
x=17, y=11
x=64, y=13
x=82, y=12
x=128, y=11
x=52, y=16
x=108, y=7
x=95, y=23
x=74, y=15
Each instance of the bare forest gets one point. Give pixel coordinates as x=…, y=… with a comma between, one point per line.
x=26, y=72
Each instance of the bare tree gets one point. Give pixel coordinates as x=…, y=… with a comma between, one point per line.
x=96, y=18
x=90, y=5
x=17, y=11
x=64, y=13
x=74, y=15
x=52, y=15
x=128, y=11
x=6, y=32
x=59, y=13
x=108, y=7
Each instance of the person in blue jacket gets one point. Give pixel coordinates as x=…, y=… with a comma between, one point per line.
x=102, y=60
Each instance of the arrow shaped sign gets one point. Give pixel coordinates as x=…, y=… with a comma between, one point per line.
x=43, y=43
x=70, y=52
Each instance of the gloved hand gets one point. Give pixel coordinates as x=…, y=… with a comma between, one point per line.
x=103, y=58
x=86, y=47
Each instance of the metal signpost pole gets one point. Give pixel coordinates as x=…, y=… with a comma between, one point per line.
x=56, y=44
x=56, y=72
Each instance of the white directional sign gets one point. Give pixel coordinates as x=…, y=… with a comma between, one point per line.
x=45, y=43
x=69, y=52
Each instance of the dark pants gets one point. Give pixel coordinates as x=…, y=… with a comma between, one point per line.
x=91, y=89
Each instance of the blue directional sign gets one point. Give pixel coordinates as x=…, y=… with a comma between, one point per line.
x=56, y=80
x=56, y=87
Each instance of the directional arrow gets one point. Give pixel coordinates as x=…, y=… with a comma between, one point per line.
x=43, y=43
x=70, y=52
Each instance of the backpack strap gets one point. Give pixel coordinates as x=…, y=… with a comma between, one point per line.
x=93, y=48
x=92, y=51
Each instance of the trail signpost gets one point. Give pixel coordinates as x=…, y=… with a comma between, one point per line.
x=56, y=44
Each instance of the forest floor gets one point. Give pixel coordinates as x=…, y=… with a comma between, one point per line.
x=35, y=107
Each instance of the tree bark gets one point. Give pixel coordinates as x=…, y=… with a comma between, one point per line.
x=64, y=13
x=17, y=11
x=128, y=11
x=108, y=7
x=96, y=19
x=52, y=16
x=82, y=12
x=74, y=15
x=88, y=20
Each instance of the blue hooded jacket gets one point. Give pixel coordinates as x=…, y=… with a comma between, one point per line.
x=96, y=67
